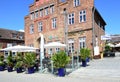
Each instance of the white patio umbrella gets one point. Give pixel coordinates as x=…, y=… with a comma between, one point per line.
x=54, y=45
x=20, y=48
x=111, y=45
x=117, y=45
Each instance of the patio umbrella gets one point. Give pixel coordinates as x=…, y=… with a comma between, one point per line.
x=117, y=45
x=111, y=45
x=20, y=48
x=54, y=45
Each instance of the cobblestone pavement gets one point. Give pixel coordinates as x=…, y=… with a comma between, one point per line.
x=101, y=70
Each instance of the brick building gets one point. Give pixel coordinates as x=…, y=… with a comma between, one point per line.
x=10, y=38
x=74, y=22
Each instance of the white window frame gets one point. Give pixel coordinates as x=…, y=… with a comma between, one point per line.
x=40, y=26
x=71, y=45
x=82, y=42
x=36, y=14
x=41, y=12
x=82, y=16
x=46, y=11
x=71, y=18
x=54, y=21
x=76, y=3
x=52, y=9
x=31, y=29
x=32, y=15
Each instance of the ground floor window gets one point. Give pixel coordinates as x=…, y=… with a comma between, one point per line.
x=71, y=45
x=82, y=42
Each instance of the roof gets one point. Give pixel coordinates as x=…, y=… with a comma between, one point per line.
x=7, y=34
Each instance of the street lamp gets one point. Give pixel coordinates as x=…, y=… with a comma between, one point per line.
x=66, y=28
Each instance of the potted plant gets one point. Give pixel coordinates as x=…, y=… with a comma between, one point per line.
x=2, y=64
x=19, y=62
x=29, y=60
x=10, y=63
x=60, y=60
x=84, y=54
x=19, y=66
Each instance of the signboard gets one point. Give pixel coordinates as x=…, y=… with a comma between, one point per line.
x=96, y=50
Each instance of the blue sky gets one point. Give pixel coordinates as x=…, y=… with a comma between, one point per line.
x=12, y=14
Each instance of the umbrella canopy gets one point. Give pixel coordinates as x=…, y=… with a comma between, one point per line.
x=20, y=48
x=54, y=45
x=111, y=45
x=117, y=45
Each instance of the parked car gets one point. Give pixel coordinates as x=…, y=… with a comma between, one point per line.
x=109, y=54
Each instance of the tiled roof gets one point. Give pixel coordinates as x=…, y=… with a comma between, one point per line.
x=8, y=34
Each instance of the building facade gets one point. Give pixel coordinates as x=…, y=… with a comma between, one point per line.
x=10, y=38
x=76, y=23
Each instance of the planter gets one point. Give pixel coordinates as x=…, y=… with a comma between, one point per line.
x=31, y=70
x=61, y=72
x=87, y=59
x=10, y=69
x=84, y=63
x=2, y=68
x=19, y=70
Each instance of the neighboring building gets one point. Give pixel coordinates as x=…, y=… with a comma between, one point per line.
x=10, y=38
x=74, y=22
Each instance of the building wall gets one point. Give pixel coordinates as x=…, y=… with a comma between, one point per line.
x=75, y=31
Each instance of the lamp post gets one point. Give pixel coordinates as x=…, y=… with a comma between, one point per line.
x=41, y=51
x=66, y=28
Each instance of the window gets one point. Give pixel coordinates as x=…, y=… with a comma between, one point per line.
x=32, y=15
x=50, y=51
x=36, y=14
x=14, y=35
x=31, y=28
x=41, y=12
x=71, y=45
x=82, y=16
x=46, y=11
x=76, y=3
x=82, y=42
x=40, y=26
x=51, y=8
x=71, y=19
x=53, y=23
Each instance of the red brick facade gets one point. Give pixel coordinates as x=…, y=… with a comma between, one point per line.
x=76, y=30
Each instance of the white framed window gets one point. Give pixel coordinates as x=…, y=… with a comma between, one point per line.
x=82, y=16
x=71, y=45
x=32, y=15
x=51, y=9
x=31, y=28
x=40, y=26
x=53, y=23
x=41, y=12
x=76, y=3
x=71, y=18
x=50, y=51
x=36, y=14
x=82, y=42
x=46, y=11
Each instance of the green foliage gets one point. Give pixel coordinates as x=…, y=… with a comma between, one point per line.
x=60, y=59
x=19, y=59
x=19, y=64
x=84, y=53
x=10, y=60
x=1, y=60
x=107, y=48
x=29, y=59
